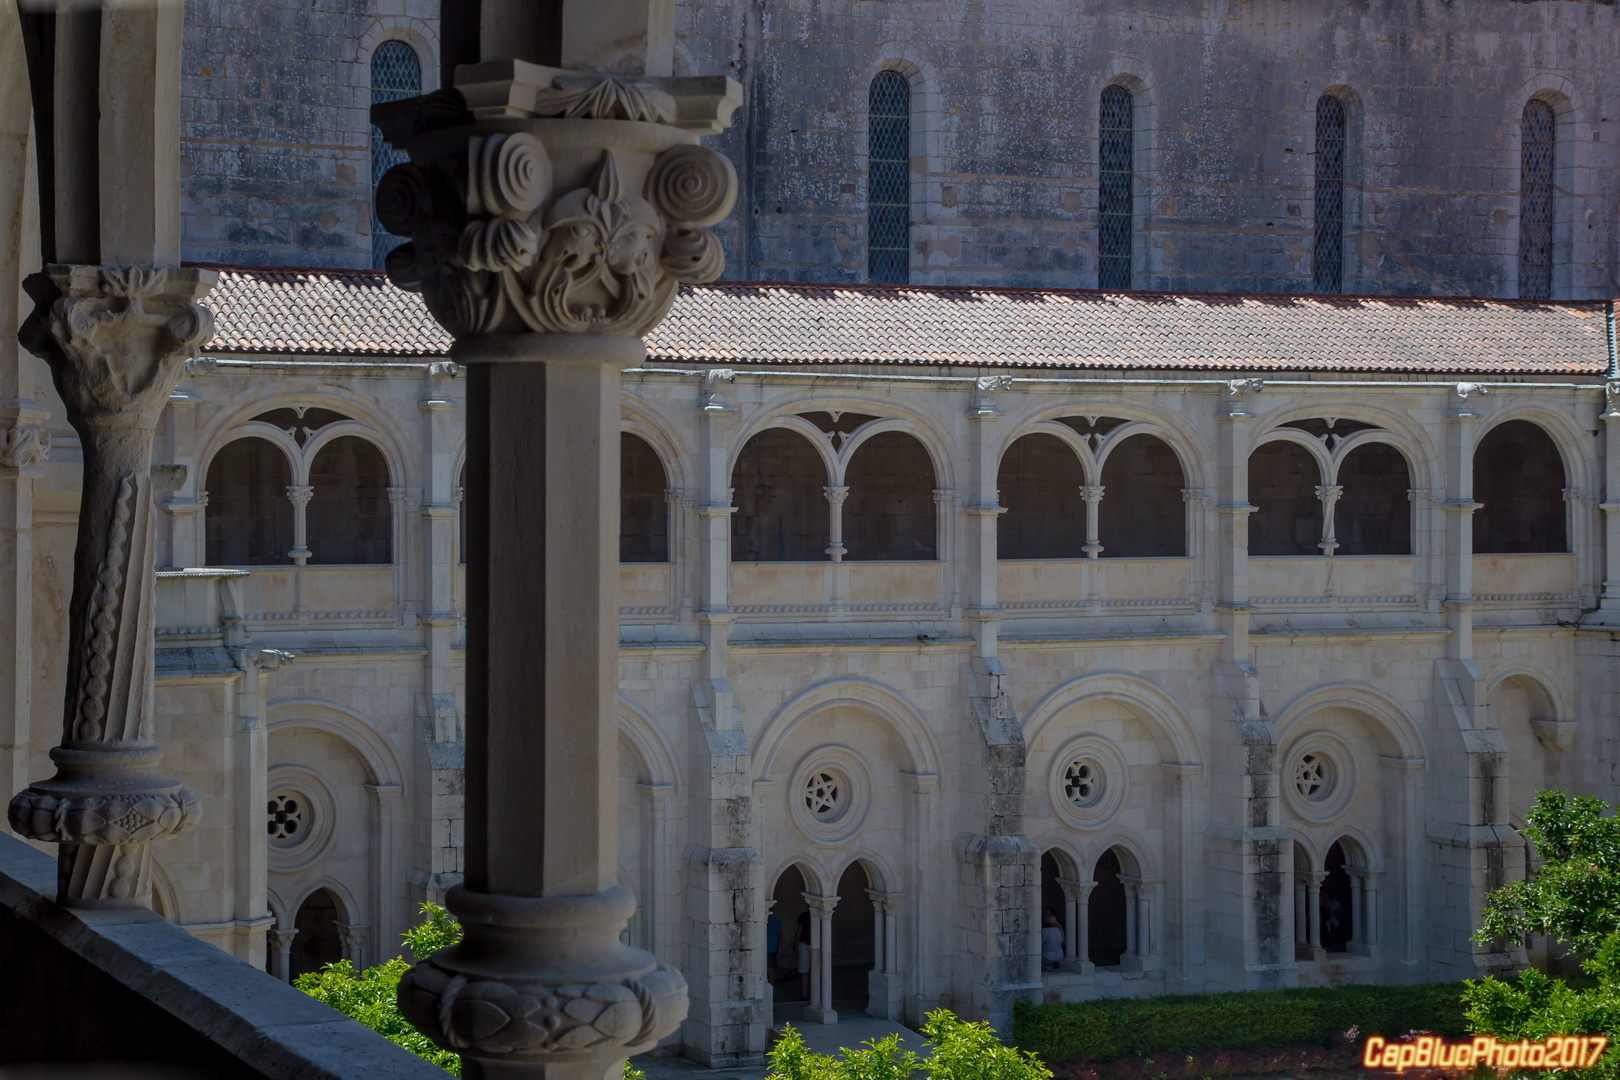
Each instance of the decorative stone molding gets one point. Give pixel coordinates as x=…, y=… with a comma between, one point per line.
x=491, y=1002
x=1555, y=734
x=116, y=339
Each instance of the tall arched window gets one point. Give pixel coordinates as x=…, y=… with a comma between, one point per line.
x=349, y=519
x=889, y=513
x=1327, y=261
x=1536, y=151
x=1283, y=478
x=779, y=488
x=249, y=521
x=1114, y=201
x=396, y=73
x=1519, y=483
x=643, y=507
x=1039, y=483
x=888, y=181
x=1142, y=514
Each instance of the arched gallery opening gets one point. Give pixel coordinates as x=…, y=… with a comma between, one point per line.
x=1106, y=913
x=853, y=938
x=1519, y=484
x=792, y=983
x=1142, y=514
x=1333, y=904
x=889, y=511
x=349, y=520
x=643, y=508
x=249, y=519
x=1039, y=483
x=1336, y=903
x=318, y=942
x=778, y=489
x=1283, y=478
x=1373, y=515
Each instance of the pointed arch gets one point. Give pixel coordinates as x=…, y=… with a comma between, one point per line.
x=353, y=728
x=1403, y=737
x=1162, y=715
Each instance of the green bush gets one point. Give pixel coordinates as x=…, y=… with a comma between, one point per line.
x=960, y=1051
x=1574, y=898
x=1103, y=1030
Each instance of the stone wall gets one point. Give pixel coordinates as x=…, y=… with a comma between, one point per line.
x=1004, y=137
x=275, y=147
x=277, y=170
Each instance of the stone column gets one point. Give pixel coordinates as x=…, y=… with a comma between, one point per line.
x=299, y=495
x=820, y=1010
x=836, y=494
x=25, y=445
x=353, y=938
x=877, y=930
x=1092, y=495
x=1329, y=494
x=1077, y=941
x=1609, y=601
x=115, y=339
x=281, y=943
x=552, y=214
x=1313, y=907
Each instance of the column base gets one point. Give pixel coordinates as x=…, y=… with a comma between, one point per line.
x=1079, y=967
x=543, y=987
x=821, y=1016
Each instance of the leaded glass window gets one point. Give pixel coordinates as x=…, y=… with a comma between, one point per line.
x=888, y=183
x=395, y=73
x=1536, y=202
x=1327, y=261
x=1114, y=202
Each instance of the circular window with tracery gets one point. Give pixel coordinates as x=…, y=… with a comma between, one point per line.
x=288, y=819
x=824, y=795
x=829, y=794
x=1319, y=781
x=1088, y=778
x=1083, y=782
x=1313, y=777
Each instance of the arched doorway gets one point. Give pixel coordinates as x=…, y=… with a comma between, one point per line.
x=1337, y=912
x=853, y=939
x=1105, y=919
x=792, y=960
x=317, y=943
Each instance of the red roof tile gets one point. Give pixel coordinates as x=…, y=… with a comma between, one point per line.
x=356, y=312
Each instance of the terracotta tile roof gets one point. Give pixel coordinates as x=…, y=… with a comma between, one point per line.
x=356, y=312
x=284, y=310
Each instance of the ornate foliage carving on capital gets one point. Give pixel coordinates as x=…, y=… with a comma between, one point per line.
x=116, y=337
x=508, y=234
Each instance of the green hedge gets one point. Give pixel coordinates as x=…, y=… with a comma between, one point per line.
x=1066, y=1032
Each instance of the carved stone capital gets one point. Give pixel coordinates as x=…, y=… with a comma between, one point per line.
x=500, y=995
x=116, y=337
x=579, y=211
x=24, y=447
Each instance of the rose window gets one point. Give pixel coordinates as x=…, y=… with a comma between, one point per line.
x=1082, y=782
x=823, y=795
x=1313, y=777
x=286, y=818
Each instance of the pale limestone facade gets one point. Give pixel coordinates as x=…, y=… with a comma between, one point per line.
x=947, y=698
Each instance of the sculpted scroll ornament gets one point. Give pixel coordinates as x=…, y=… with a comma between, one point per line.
x=599, y=260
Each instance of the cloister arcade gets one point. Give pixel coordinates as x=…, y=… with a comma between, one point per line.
x=305, y=485
x=829, y=569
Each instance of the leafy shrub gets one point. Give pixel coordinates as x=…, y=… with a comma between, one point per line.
x=961, y=1051
x=370, y=996
x=1574, y=897
x=1100, y=1031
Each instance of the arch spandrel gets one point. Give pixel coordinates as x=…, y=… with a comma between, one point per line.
x=1153, y=706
